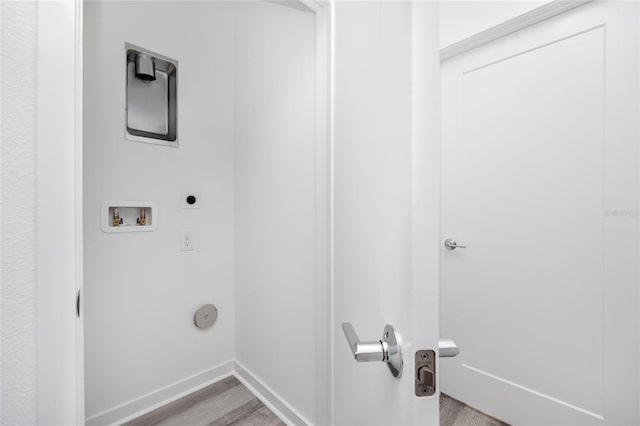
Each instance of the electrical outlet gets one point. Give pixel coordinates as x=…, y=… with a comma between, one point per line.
x=186, y=241
x=190, y=200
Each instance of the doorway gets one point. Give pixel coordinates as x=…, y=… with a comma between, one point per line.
x=229, y=217
x=540, y=190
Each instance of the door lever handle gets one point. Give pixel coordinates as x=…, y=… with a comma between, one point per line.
x=447, y=348
x=387, y=349
x=451, y=244
x=363, y=351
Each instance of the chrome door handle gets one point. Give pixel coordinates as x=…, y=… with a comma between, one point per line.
x=451, y=244
x=387, y=349
x=447, y=348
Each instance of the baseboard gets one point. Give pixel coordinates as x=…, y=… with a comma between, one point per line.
x=268, y=397
x=149, y=402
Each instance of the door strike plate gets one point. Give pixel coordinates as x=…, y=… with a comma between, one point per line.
x=425, y=377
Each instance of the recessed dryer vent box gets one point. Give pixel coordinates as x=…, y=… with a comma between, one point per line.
x=152, y=97
x=129, y=216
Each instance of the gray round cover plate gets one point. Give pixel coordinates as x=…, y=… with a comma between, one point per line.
x=205, y=316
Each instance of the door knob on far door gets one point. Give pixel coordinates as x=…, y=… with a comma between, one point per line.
x=386, y=350
x=451, y=244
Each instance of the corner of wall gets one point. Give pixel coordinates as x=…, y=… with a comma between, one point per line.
x=269, y=397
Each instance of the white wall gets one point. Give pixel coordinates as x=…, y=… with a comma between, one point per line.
x=140, y=290
x=18, y=194
x=275, y=200
x=462, y=19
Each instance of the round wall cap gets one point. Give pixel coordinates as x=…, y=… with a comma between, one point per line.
x=205, y=316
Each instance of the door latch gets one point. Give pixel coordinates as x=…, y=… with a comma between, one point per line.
x=425, y=381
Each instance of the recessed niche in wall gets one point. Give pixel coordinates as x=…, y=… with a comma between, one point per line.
x=129, y=216
x=152, y=97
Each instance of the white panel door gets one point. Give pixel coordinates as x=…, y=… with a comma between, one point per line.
x=385, y=209
x=540, y=182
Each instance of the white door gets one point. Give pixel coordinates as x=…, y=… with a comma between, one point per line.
x=385, y=204
x=540, y=183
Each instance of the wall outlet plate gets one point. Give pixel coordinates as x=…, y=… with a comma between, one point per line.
x=190, y=200
x=186, y=241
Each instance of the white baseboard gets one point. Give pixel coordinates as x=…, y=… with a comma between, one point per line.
x=149, y=402
x=268, y=397
x=156, y=399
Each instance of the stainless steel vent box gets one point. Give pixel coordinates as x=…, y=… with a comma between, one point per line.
x=152, y=97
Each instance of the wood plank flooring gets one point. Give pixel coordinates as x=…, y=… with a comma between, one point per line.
x=456, y=413
x=227, y=402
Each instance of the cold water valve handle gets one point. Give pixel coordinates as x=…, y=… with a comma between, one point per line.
x=386, y=350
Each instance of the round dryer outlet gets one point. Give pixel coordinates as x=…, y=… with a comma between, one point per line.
x=205, y=316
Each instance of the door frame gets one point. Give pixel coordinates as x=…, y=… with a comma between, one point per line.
x=323, y=10
x=60, y=393
x=59, y=355
x=535, y=16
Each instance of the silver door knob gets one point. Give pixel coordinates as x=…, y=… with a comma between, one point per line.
x=386, y=350
x=451, y=244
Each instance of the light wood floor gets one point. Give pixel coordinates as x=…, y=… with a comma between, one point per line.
x=456, y=413
x=227, y=402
